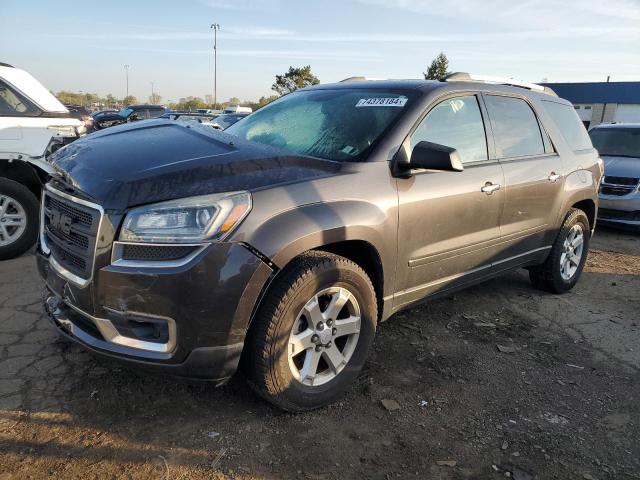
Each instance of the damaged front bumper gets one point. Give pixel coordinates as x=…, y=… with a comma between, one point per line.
x=187, y=321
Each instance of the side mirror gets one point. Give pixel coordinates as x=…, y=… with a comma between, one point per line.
x=433, y=156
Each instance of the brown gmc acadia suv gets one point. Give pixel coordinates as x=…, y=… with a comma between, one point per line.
x=279, y=244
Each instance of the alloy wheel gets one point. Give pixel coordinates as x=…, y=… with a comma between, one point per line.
x=572, y=250
x=13, y=220
x=324, y=336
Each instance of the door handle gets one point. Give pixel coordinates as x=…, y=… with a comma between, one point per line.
x=489, y=188
x=553, y=177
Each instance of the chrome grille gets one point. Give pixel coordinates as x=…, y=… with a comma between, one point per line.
x=69, y=231
x=618, y=186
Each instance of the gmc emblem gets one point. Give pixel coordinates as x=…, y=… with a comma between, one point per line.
x=60, y=221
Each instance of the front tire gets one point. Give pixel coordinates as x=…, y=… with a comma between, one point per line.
x=312, y=334
x=564, y=265
x=19, y=220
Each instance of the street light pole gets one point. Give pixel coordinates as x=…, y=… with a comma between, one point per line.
x=126, y=73
x=215, y=27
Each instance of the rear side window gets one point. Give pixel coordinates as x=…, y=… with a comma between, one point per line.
x=515, y=127
x=12, y=104
x=456, y=123
x=569, y=124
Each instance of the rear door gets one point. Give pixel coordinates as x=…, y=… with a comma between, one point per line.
x=448, y=226
x=533, y=178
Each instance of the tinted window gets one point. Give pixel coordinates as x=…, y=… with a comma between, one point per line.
x=515, y=127
x=456, y=123
x=341, y=124
x=617, y=142
x=569, y=124
x=12, y=104
x=156, y=112
x=140, y=114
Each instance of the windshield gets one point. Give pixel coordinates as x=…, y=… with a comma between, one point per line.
x=125, y=112
x=616, y=142
x=336, y=124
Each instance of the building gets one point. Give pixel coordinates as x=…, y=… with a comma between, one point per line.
x=602, y=102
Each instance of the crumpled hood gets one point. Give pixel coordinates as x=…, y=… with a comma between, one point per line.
x=157, y=160
x=621, y=166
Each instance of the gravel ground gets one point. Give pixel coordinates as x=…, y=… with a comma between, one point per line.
x=497, y=381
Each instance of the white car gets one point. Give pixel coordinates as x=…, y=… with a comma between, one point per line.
x=237, y=109
x=33, y=124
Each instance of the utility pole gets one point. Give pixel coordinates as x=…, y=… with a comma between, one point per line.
x=215, y=27
x=152, y=97
x=126, y=74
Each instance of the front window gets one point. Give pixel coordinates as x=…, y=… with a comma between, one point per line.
x=616, y=142
x=14, y=105
x=341, y=124
x=455, y=123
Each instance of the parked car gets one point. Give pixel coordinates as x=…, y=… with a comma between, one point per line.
x=82, y=114
x=97, y=113
x=33, y=124
x=208, y=111
x=201, y=118
x=131, y=113
x=238, y=109
x=619, y=147
x=224, y=121
x=287, y=238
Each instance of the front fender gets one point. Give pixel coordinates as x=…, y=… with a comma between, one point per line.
x=290, y=233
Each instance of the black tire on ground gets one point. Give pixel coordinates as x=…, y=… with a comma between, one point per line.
x=29, y=203
x=265, y=359
x=548, y=276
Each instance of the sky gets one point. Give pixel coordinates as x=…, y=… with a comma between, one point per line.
x=83, y=46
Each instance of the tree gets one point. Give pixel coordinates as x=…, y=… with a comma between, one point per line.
x=294, y=79
x=266, y=100
x=438, y=68
x=129, y=100
x=191, y=103
x=155, y=99
x=110, y=100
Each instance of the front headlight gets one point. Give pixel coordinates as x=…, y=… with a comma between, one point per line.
x=187, y=220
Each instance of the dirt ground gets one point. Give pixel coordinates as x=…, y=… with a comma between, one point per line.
x=497, y=381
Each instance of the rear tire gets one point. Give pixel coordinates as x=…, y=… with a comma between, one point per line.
x=563, y=267
x=311, y=336
x=17, y=201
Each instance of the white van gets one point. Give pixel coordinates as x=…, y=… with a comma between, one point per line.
x=33, y=124
x=237, y=109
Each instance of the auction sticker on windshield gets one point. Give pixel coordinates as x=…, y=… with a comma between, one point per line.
x=382, y=102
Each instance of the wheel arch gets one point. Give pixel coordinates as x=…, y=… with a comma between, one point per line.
x=23, y=173
x=588, y=206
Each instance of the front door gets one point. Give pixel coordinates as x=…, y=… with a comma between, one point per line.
x=449, y=222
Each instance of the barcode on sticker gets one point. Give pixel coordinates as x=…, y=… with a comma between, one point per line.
x=382, y=102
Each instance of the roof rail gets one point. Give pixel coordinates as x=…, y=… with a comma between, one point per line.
x=353, y=79
x=469, y=77
x=359, y=79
